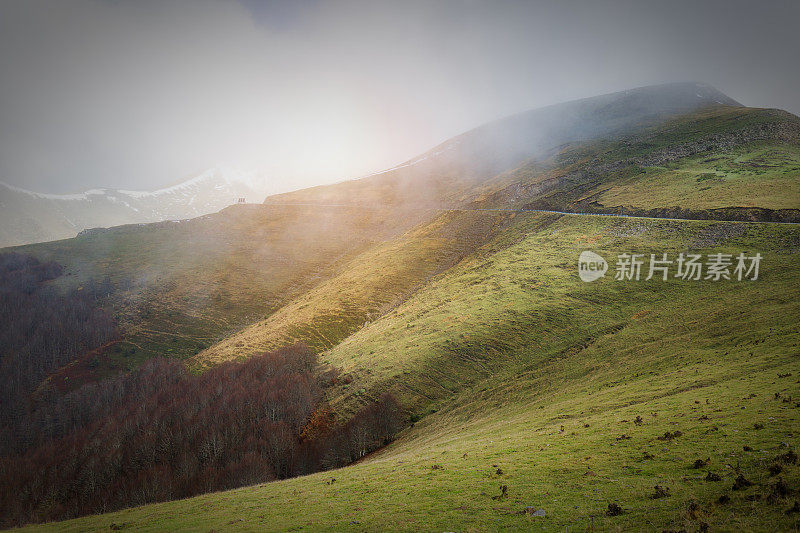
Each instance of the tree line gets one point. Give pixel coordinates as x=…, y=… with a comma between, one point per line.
x=42, y=328
x=162, y=433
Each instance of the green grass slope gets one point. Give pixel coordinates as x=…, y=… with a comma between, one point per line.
x=718, y=163
x=561, y=391
x=181, y=286
x=719, y=158
x=365, y=288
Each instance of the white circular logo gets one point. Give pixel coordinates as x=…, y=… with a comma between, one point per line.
x=591, y=266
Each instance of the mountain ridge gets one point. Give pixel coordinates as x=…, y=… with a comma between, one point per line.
x=461, y=162
x=705, y=92
x=30, y=216
x=444, y=173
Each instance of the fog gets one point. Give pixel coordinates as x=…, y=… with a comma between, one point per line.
x=141, y=94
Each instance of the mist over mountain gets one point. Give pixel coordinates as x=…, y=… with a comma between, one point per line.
x=29, y=217
x=119, y=95
x=443, y=174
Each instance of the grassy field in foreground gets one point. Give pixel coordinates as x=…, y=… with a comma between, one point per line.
x=444, y=475
x=562, y=392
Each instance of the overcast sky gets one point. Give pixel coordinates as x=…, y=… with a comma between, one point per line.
x=138, y=94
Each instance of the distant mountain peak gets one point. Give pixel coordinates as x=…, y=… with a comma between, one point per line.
x=582, y=119
x=29, y=216
x=688, y=93
x=443, y=174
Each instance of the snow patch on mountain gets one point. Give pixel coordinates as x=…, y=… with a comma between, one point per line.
x=29, y=216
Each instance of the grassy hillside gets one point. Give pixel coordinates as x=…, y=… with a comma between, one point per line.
x=517, y=302
x=720, y=162
x=752, y=175
x=180, y=286
x=438, y=282
x=251, y=278
x=364, y=289
x=725, y=157
x=531, y=379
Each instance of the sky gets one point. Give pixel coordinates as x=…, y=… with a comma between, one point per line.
x=142, y=94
